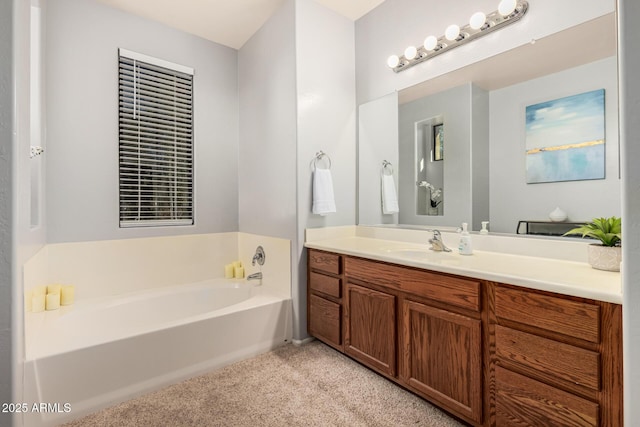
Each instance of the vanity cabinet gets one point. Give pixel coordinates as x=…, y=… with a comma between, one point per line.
x=557, y=360
x=427, y=323
x=489, y=353
x=324, y=297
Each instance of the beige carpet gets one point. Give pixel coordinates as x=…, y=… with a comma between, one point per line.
x=311, y=385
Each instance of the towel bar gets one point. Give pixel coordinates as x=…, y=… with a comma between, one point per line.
x=387, y=167
x=318, y=157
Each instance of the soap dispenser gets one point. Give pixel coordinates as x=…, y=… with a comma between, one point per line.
x=484, y=229
x=464, y=247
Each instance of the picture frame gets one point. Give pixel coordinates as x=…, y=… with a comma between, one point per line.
x=565, y=138
x=438, y=142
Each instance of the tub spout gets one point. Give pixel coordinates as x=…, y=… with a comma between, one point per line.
x=255, y=276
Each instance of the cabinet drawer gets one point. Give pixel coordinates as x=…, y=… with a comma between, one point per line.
x=324, y=261
x=571, y=318
x=521, y=401
x=550, y=358
x=325, y=284
x=451, y=290
x=324, y=320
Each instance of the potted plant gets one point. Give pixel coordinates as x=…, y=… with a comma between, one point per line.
x=607, y=254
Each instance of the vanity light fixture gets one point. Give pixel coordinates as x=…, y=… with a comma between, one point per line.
x=509, y=11
x=477, y=20
x=411, y=52
x=452, y=33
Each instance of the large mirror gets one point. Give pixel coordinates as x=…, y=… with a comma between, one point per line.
x=457, y=143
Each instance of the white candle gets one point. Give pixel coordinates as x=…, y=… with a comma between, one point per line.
x=237, y=264
x=53, y=289
x=228, y=271
x=53, y=302
x=239, y=272
x=37, y=302
x=40, y=290
x=67, y=295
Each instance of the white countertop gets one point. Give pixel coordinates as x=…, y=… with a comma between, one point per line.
x=547, y=274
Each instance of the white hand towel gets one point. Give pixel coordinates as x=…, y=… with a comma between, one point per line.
x=389, y=196
x=323, y=201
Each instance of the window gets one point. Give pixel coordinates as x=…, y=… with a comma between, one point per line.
x=156, y=141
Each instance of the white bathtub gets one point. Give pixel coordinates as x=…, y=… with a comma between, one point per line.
x=105, y=350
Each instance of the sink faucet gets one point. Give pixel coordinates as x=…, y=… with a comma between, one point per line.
x=436, y=242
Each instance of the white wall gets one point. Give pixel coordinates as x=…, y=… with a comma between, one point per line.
x=326, y=106
x=589, y=199
x=396, y=24
x=26, y=240
x=6, y=205
x=629, y=63
x=267, y=172
x=83, y=37
x=377, y=141
x=297, y=96
x=267, y=90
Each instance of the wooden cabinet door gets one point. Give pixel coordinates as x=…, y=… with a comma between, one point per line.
x=370, y=328
x=442, y=357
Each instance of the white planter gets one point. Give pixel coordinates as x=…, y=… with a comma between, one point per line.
x=604, y=257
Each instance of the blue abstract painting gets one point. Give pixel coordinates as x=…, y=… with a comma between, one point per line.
x=565, y=139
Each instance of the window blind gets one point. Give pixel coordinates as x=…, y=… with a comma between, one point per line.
x=155, y=142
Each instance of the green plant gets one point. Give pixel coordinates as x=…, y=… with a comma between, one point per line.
x=607, y=230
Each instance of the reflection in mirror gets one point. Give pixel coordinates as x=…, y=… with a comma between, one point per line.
x=429, y=140
x=378, y=126
x=430, y=193
x=485, y=177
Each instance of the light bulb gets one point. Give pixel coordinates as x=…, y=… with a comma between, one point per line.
x=410, y=52
x=452, y=32
x=430, y=43
x=477, y=20
x=393, y=61
x=506, y=7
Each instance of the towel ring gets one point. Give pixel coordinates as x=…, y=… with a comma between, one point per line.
x=387, y=167
x=320, y=155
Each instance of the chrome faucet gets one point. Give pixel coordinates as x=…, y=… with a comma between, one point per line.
x=436, y=242
x=259, y=256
